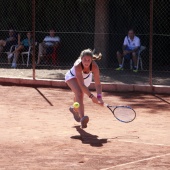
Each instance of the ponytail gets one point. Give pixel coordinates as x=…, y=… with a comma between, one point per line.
x=97, y=57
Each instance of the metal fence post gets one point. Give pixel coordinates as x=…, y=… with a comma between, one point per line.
x=33, y=33
x=151, y=42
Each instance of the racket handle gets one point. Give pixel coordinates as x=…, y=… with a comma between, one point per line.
x=105, y=104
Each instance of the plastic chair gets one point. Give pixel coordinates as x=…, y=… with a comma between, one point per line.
x=27, y=53
x=139, y=59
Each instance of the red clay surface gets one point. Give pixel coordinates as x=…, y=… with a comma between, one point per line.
x=37, y=132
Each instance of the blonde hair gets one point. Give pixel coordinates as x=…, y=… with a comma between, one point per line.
x=88, y=52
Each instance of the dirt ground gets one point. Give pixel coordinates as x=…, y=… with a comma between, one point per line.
x=37, y=132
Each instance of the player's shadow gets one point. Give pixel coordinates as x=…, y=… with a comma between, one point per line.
x=88, y=138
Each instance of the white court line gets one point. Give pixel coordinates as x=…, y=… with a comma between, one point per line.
x=159, y=144
x=136, y=161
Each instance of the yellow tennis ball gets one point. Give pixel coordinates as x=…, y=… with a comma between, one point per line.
x=76, y=105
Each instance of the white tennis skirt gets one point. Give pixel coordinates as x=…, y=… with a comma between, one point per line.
x=87, y=78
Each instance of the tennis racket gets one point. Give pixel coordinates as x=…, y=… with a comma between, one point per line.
x=124, y=114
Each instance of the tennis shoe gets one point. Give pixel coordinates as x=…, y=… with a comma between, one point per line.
x=84, y=121
x=119, y=68
x=75, y=114
x=135, y=70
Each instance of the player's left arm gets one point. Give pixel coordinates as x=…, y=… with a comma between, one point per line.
x=98, y=86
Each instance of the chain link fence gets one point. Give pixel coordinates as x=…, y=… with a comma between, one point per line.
x=80, y=24
x=161, y=38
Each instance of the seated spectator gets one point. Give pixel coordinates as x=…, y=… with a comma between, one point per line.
x=48, y=44
x=22, y=46
x=6, y=44
x=130, y=49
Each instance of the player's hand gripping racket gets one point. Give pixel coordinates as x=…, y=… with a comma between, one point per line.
x=124, y=114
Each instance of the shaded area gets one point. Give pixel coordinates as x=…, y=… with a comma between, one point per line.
x=164, y=100
x=125, y=76
x=154, y=105
x=107, y=75
x=88, y=138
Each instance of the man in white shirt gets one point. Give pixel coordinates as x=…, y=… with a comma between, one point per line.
x=48, y=44
x=131, y=47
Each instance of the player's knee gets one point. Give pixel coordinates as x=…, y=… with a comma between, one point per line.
x=134, y=54
x=118, y=54
x=124, y=53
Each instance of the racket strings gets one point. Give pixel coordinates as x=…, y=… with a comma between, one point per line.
x=124, y=114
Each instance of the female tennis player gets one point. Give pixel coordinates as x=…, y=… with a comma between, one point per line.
x=79, y=78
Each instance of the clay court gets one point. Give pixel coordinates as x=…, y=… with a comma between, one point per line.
x=39, y=133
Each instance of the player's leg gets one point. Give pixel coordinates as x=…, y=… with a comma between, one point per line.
x=16, y=53
x=2, y=44
x=15, y=59
x=73, y=84
x=18, y=49
x=41, y=49
x=119, y=59
x=127, y=54
x=134, y=58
